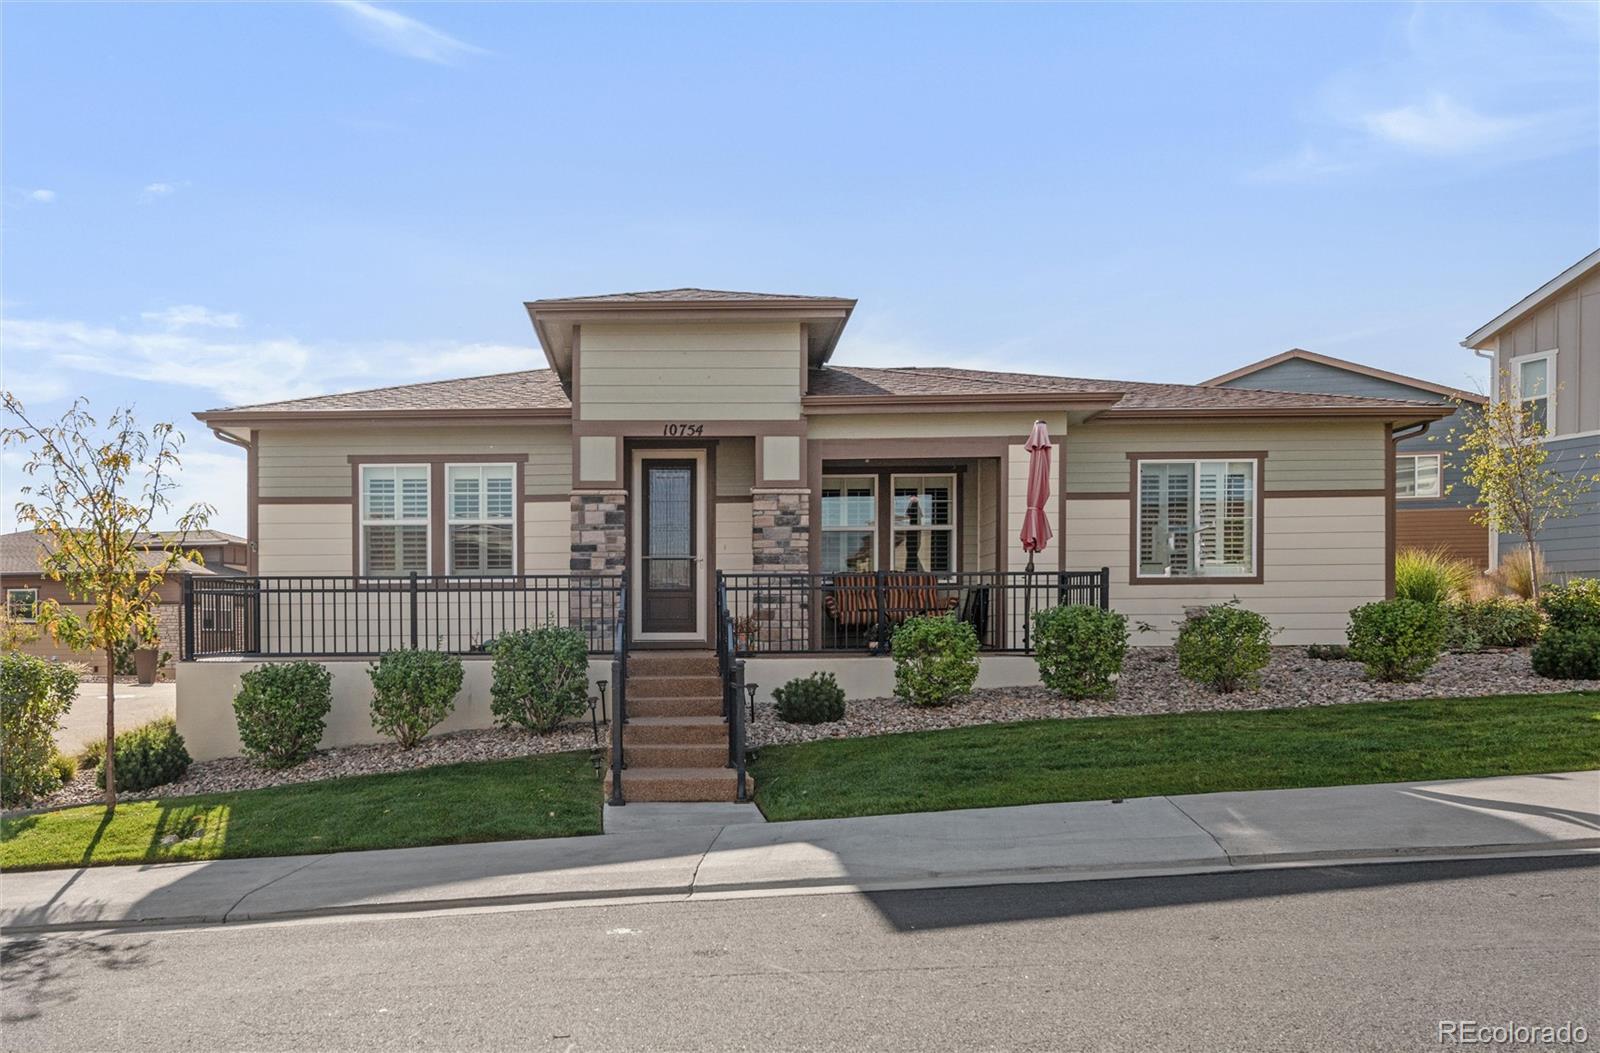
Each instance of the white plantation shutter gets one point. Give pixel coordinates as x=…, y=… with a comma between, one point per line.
x=1197, y=518
x=481, y=518
x=394, y=519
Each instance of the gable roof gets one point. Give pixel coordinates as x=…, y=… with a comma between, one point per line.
x=21, y=551
x=1550, y=289
x=1297, y=353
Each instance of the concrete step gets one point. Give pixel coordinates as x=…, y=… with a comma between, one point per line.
x=674, y=707
x=679, y=784
x=675, y=755
x=674, y=686
x=650, y=730
x=672, y=663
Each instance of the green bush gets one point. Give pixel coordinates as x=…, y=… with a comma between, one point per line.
x=281, y=710
x=1568, y=653
x=150, y=755
x=1079, y=649
x=541, y=677
x=1473, y=625
x=1431, y=577
x=412, y=691
x=93, y=752
x=935, y=659
x=34, y=696
x=65, y=767
x=814, y=699
x=1397, y=639
x=1328, y=652
x=1572, y=605
x=1224, y=647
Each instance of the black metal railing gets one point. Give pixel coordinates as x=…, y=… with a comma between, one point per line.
x=325, y=617
x=805, y=613
x=731, y=669
x=619, y=696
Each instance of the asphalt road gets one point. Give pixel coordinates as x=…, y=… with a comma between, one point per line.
x=1335, y=958
x=136, y=704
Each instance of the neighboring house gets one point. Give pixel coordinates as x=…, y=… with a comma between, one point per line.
x=1434, y=502
x=25, y=586
x=1544, y=351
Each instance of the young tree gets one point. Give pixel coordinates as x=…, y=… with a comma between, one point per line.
x=92, y=497
x=1518, y=492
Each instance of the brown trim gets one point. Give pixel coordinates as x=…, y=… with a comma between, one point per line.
x=306, y=500
x=710, y=429
x=618, y=467
x=1259, y=456
x=1389, y=512
x=820, y=404
x=883, y=451
x=1298, y=353
x=761, y=481
x=1098, y=495
x=436, y=458
x=320, y=417
x=252, y=520
x=564, y=498
x=1354, y=492
x=708, y=513
x=1288, y=414
x=576, y=393
x=805, y=359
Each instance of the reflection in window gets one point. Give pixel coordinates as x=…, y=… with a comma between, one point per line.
x=849, y=523
x=924, y=522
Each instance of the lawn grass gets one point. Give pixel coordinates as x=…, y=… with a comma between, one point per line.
x=1106, y=757
x=550, y=796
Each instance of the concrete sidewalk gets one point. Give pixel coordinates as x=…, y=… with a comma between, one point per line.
x=1052, y=842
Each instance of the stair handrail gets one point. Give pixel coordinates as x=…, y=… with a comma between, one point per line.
x=730, y=668
x=619, y=696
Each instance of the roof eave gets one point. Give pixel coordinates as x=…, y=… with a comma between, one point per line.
x=218, y=418
x=1489, y=330
x=814, y=404
x=1384, y=413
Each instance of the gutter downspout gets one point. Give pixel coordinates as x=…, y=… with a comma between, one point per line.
x=252, y=527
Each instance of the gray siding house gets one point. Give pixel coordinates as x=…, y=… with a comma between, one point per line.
x=1433, y=502
x=1545, y=352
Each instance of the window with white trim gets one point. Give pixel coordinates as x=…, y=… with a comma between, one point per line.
x=394, y=519
x=1535, y=376
x=481, y=518
x=1417, y=475
x=924, y=509
x=22, y=605
x=1197, y=519
x=849, y=523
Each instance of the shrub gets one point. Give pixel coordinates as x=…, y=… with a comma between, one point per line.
x=1397, y=639
x=541, y=677
x=1573, y=605
x=935, y=659
x=1473, y=625
x=1568, y=653
x=93, y=752
x=1518, y=570
x=1328, y=652
x=34, y=696
x=1224, y=647
x=281, y=710
x=150, y=755
x=412, y=691
x=1079, y=649
x=65, y=767
x=1431, y=576
x=814, y=699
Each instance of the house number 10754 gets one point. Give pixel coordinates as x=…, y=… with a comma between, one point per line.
x=678, y=431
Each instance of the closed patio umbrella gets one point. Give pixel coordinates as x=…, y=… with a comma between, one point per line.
x=1035, y=533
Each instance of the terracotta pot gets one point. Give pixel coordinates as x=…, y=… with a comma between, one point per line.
x=144, y=664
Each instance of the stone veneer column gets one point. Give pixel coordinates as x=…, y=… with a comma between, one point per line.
x=599, y=549
x=780, y=543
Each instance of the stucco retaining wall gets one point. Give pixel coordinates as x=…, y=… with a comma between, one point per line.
x=870, y=677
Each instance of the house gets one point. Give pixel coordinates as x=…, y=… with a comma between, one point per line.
x=702, y=448
x=1433, y=501
x=1544, y=351
x=222, y=555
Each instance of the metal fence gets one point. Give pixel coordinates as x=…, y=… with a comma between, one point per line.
x=804, y=613
x=293, y=617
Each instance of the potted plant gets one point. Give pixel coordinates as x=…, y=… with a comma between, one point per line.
x=744, y=631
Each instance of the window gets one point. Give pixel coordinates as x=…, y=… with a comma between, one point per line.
x=924, y=522
x=480, y=518
x=1533, y=374
x=1197, y=519
x=394, y=519
x=1416, y=475
x=849, y=523
x=22, y=605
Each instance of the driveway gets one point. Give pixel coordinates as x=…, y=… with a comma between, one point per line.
x=136, y=704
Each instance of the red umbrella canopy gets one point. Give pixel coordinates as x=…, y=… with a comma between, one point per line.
x=1036, y=532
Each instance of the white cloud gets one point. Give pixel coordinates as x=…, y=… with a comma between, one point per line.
x=236, y=369
x=184, y=316
x=402, y=34
x=1306, y=164
x=42, y=196
x=1443, y=125
x=152, y=191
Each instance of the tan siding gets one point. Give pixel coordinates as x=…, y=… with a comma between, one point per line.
x=736, y=467
x=1323, y=556
x=305, y=539
x=945, y=424
x=988, y=510
x=316, y=462
x=698, y=371
x=1569, y=325
x=546, y=537
x=1303, y=456
x=969, y=520
x=734, y=519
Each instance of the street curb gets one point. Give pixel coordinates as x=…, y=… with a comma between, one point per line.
x=820, y=886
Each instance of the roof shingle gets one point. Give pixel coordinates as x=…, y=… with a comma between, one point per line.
x=528, y=389
x=685, y=295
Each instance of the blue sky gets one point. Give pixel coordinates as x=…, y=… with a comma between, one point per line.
x=217, y=204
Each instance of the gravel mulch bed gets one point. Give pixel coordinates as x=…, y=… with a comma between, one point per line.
x=237, y=773
x=1150, y=684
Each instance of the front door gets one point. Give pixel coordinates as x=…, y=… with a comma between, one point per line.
x=668, y=556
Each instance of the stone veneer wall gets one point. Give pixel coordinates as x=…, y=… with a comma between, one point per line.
x=599, y=549
x=780, y=539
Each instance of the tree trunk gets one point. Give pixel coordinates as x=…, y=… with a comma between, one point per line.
x=1533, y=570
x=109, y=763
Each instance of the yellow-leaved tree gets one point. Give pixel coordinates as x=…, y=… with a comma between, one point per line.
x=93, y=496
